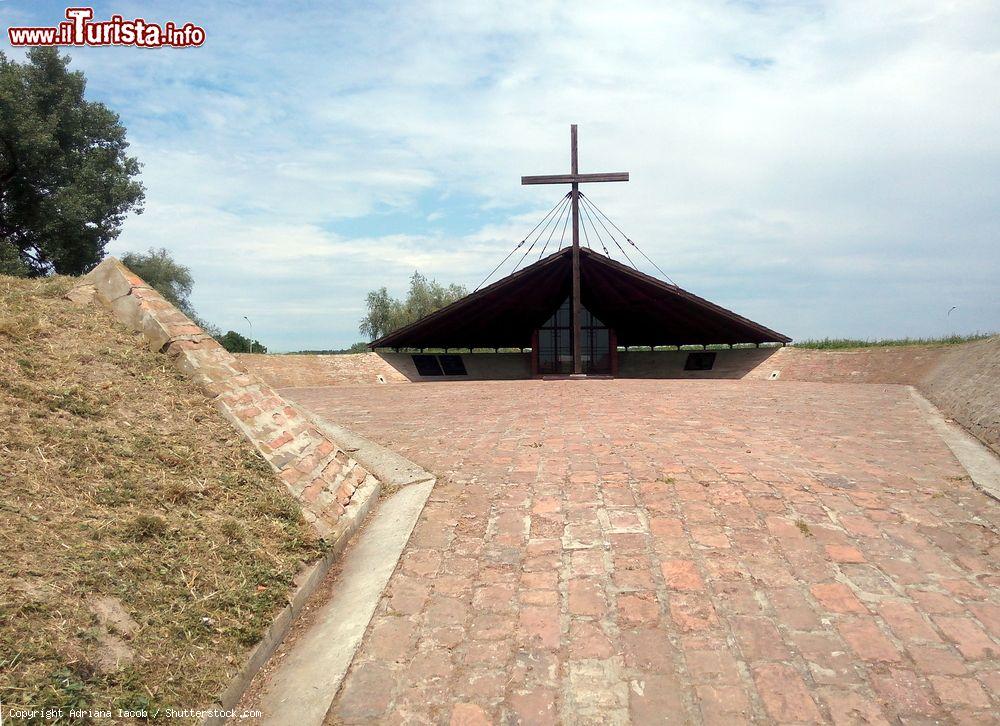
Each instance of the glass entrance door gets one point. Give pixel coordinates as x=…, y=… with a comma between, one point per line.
x=555, y=343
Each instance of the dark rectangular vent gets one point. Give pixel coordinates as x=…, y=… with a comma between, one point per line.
x=452, y=365
x=427, y=365
x=699, y=362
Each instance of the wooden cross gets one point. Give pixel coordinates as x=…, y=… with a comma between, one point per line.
x=575, y=178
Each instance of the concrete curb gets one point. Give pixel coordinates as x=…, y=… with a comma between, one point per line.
x=405, y=488
x=978, y=460
x=394, y=470
x=309, y=579
x=305, y=682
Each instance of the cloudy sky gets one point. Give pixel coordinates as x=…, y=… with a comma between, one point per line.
x=825, y=168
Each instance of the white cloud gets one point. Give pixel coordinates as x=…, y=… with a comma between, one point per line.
x=827, y=167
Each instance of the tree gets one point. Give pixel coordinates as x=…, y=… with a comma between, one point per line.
x=356, y=348
x=386, y=313
x=165, y=275
x=236, y=343
x=66, y=182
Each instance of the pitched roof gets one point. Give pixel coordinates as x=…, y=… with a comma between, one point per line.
x=642, y=309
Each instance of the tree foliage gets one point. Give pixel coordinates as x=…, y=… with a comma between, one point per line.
x=11, y=262
x=386, y=313
x=165, y=275
x=236, y=343
x=355, y=348
x=66, y=182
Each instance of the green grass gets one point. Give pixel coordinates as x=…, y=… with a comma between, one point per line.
x=844, y=343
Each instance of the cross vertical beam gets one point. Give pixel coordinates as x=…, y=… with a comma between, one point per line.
x=575, y=178
x=577, y=357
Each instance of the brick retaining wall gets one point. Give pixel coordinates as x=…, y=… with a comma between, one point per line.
x=354, y=369
x=320, y=475
x=965, y=385
x=901, y=364
x=962, y=380
x=348, y=369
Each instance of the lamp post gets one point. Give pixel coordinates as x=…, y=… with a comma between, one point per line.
x=251, y=332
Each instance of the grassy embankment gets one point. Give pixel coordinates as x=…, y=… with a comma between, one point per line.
x=843, y=343
x=146, y=546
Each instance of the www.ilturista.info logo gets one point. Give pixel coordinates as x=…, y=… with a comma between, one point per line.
x=79, y=29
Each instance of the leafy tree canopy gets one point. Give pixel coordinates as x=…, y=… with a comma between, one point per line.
x=236, y=343
x=386, y=313
x=66, y=182
x=11, y=262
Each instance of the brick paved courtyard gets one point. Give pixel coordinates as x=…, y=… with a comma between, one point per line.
x=677, y=552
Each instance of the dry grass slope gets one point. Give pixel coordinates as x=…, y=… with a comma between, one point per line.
x=120, y=483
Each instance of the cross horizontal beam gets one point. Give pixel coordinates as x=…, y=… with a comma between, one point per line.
x=613, y=176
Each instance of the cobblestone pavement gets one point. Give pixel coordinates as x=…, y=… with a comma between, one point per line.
x=677, y=552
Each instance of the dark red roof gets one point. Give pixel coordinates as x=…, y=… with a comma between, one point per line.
x=642, y=309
